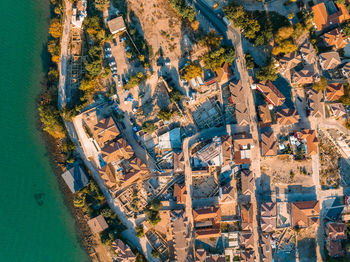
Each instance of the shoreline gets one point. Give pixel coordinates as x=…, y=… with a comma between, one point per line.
x=82, y=230
x=56, y=161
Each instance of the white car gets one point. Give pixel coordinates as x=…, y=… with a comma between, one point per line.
x=108, y=55
x=119, y=82
x=107, y=49
x=111, y=63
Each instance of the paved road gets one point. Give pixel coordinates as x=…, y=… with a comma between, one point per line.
x=233, y=36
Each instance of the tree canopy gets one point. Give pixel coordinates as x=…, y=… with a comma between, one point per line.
x=55, y=29
x=320, y=85
x=192, y=70
x=267, y=72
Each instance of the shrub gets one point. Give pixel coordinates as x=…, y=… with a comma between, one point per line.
x=267, y=72
x=192, y=70
x=148, y=127
x=52, y=122
x=165, y=114
x=139, y=231
x=320, y=85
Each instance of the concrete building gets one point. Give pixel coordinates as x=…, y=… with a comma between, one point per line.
x=116, y=25
x=75, y=178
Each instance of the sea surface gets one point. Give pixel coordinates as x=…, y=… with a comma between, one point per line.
x=35, y=225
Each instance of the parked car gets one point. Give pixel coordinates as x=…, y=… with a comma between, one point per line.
x=107, y=49
x=114, y=42
x=122, y=39
x=127, y=48
x=112, y=64
x=108, y=55
x=119, y=82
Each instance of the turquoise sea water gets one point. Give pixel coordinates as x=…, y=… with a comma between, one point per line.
x=35, y=225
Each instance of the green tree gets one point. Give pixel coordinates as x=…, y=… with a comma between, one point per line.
x=286, y=47
x=214, y=59
x=346, y=28
x=229, y=55
x=165, y=114
x=139, y=231
x=284, y=33
x=68, y=146
x=267, y=72
x=79, y=200
x=107, y=212
x=249, y=61
x=155, y=253
x=212, y=40
x=320, y=85
x=55, y=29
x=175, y=96
x=192, y=70
x=148, y=127
x=52, y=76
x=51, y=120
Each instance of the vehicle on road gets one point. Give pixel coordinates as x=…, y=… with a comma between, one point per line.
x=112, y=63
x=226, y=21
x=107, y=49
x=109, y=55
x=119, y=82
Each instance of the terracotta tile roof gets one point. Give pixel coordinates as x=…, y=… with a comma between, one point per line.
x=224, y=73
x=316, y=103
x=271, y=93
x=322, y=19
x=247, y=217
x=241, y=148
x=337, y=110
x=247, y=182
x=268, y=224
x=287, y=116
x=117, y=150
x=246, y=240
x=308, y=52
x=109, y=177
x=241, y=109
x=123, y=252
x=334, y=91
x=268, y=144
x=335, y=249
x=180, y=193
x=97, y=224
x=311, y=140
x=335, y=38
x=227, y=147
x=336, y=231
x=265, y=115
x=201, y=254
x=305, y=213
x=179, y=162
x=206, y=213
x=268, y=209
x=304, y=77
x=330, y=60
x=248, y=256
x=289, y=61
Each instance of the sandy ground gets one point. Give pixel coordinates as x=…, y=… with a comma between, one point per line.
x=279, y=169
x=160, y=25
x=101, y=255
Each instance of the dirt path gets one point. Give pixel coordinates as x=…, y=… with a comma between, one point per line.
x=64, y=54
